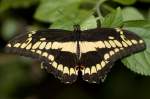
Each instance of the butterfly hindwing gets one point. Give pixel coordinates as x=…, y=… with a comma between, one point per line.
x=54, y=48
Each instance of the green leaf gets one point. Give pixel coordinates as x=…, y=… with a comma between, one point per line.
x=125, y=2
x=49, y=11
x=52, y=10
x=114, y=19
x=87, y=23
x=90, y=22
x=82, y=18
x=7, y=4
x=63, y=15
x=138, y=23
x=130, y=13
x=139, y=62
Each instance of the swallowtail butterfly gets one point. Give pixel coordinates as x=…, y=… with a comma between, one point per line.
x=66, y=54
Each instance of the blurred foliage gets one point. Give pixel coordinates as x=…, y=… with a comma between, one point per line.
x=125, y=2
x=131, y=13
x=21, y=78
x=113, y=19
x=12, y=25
x=8, y=4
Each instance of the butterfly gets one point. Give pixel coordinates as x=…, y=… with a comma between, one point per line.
x=66, y=54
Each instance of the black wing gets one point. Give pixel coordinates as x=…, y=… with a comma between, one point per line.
x=100, y=48
x=54, y=48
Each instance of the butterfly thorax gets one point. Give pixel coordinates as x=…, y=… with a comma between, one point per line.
x=77, y=31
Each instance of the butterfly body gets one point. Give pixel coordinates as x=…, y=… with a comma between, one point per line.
x=66, y=53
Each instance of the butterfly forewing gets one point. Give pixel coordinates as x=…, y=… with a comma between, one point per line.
x=54, y=48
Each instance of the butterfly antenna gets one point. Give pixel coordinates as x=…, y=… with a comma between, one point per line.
x=66, y=16
x=97, y=20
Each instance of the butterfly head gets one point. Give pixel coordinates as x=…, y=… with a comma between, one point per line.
x=76, y=27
